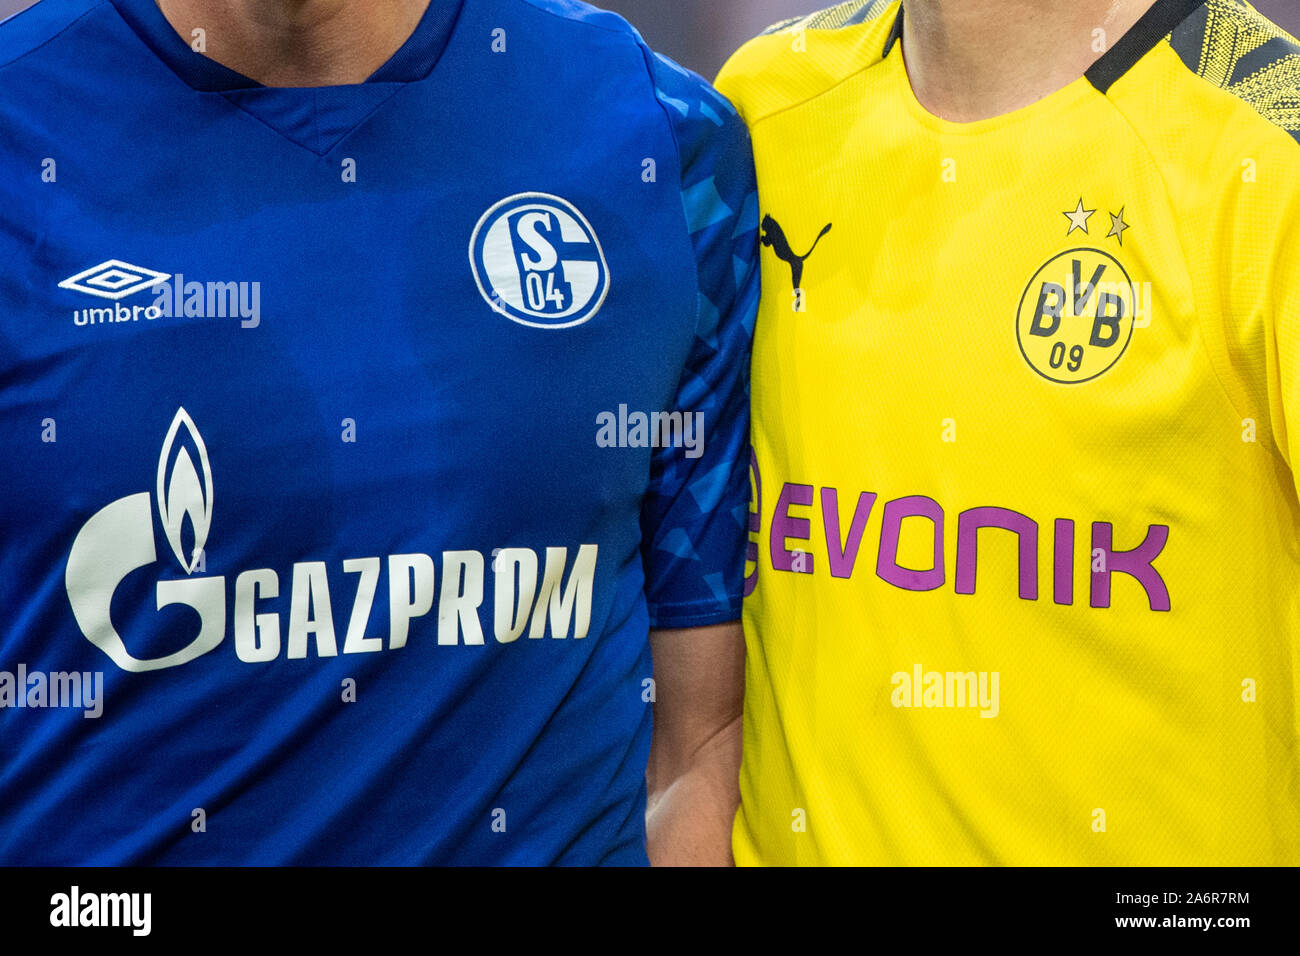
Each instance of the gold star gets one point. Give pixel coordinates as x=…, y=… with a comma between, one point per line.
x=1117, y=226
x=1078, y=218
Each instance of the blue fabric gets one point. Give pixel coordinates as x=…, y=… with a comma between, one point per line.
x=269, y=357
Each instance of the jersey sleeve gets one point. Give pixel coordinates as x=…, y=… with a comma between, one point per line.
x=694, y=517
x=1259, y=263
x=1284, y=352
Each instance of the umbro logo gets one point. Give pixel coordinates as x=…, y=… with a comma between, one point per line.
x=172, y=296
x=114, y=279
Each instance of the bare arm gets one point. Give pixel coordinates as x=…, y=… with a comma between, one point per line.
x=693, y=777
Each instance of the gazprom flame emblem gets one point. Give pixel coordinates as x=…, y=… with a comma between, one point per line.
x=186, y=494
x=119, y=540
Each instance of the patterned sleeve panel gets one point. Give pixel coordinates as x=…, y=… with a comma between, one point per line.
x=695, y=515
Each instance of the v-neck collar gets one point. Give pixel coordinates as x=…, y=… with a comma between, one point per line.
x=315, y=118
x=413, y=61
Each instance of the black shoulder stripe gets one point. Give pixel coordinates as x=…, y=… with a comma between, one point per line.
x=1229, y=44
x=1156, y=24
x=895, y=34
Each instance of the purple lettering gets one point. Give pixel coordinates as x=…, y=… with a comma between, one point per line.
x=784, y=526
x=843, y=558
x=1136, y=563
x=1026, y=530
x=1063, y=563
x=887, y=566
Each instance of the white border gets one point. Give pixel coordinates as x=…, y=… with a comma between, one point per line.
x=592, y=308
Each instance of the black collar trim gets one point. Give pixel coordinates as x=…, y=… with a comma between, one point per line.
x=895, y=34
x=1156, y=24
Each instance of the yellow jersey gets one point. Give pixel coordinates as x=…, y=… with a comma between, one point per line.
x=1025, y=545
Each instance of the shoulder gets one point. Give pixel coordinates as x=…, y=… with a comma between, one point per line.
x=1231, y=47
x=698, y=113
x=799, y=59
x=576, y=15
x=702, y=120
x=715, y=164
x=684, y=94
x=1216, y=104
x=32, y=28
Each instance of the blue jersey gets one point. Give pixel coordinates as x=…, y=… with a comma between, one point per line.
x=354, y=438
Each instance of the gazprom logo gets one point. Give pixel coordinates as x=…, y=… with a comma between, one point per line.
x=184, y=492
x=119, y=539
x=537, y=261
x=523, y=589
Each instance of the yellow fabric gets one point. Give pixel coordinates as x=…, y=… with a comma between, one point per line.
x=906, y=380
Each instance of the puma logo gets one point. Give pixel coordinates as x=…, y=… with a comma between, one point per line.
x=774, y=236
